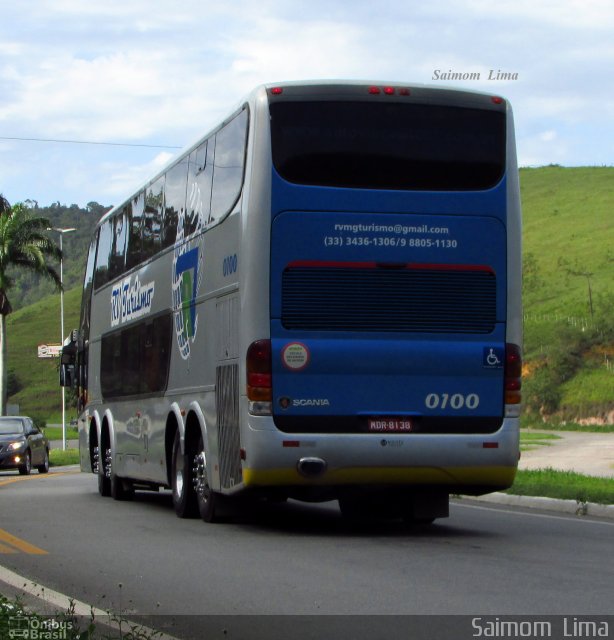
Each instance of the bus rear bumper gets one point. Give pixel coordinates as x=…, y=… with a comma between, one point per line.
x=470, y=464
x=466, y=480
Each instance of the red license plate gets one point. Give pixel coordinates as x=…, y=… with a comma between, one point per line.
x=390, y=425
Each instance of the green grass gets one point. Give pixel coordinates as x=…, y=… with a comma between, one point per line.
x=55, y=433
x=590, y=387
x=530, y=422
x=60, y=458
x=567, y=226
x=40, y=395
x=564, y=485
x=531, y=440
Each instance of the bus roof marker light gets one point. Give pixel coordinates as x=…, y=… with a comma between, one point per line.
x=374, y=91
x=404, y=91
x=277, y=91
x=389, y=91
x=497, y=100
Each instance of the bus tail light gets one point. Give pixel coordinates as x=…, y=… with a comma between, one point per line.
x=513, y=373
x=259, y=378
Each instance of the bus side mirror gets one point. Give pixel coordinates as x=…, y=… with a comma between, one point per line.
x=67, y=375
x=67, y=361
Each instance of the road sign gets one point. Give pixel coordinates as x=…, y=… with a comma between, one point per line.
x=49, y=350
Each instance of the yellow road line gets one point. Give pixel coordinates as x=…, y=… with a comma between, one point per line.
x=11, y=479
x=12, y=544
x=20, y=544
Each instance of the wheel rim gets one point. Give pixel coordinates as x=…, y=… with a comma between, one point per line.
x=179, y=475
x=107, y=464
x=201, y=482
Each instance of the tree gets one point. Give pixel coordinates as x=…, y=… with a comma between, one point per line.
x=23, y=245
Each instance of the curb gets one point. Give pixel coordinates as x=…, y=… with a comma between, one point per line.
x=572, y=507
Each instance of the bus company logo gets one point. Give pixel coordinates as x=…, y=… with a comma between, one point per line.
x=286, y=403
x=187, y=273
x=130, y=300
x=395, y=444
x=35, y=628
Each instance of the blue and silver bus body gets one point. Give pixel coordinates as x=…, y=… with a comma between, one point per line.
x=388, y=314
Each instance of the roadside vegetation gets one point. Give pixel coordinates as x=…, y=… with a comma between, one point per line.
x=564, y=485
x=531, y=421
x=55, y=433
x=61, y=458
x=19, y=621
x=568, y=292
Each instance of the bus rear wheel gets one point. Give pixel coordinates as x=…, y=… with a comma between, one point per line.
x=121, y=489
x=207, y=499
x=182, y=485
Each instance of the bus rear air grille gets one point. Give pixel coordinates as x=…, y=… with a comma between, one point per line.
x=331, y=298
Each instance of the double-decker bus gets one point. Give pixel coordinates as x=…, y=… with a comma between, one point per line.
x=318, y=300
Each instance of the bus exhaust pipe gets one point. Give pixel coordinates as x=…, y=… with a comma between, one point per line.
x=311, y=467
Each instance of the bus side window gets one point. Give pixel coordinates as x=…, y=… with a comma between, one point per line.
x=105, y=240
x=88, y=281
x=155, y=354
x=152, y=224
x=117, y=259
x=229, y=165
x=135, y=231
x=199, y=186
x=174, y=196
x=111, y=365
x=129, y=366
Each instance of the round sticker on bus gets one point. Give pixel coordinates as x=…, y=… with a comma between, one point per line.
x=295, y=356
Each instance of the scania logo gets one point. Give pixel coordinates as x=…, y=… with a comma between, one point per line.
x=310, y=402
x=286, y=403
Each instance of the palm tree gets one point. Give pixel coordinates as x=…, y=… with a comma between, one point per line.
x=23, y=245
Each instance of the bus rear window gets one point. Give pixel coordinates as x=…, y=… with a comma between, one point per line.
x=388, y=145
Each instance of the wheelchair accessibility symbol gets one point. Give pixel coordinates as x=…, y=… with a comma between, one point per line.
x=493, y=357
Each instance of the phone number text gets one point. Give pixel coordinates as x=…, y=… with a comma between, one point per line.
x=365, y=241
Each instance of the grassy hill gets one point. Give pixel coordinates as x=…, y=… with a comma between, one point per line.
x=568, y=244
x=39, y=323
x=568, y=230
x=568, y=248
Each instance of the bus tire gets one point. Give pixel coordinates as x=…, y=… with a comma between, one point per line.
x=182, y=482
x=352, y=509
x=121, y=489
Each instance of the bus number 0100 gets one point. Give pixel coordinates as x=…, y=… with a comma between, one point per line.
x=454, y=401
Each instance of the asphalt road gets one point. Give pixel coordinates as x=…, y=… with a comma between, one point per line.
x=299, y=559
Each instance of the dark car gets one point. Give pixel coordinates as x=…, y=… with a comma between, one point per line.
x=22, y=445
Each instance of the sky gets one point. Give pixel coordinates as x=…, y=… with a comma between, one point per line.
x=144, y=78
